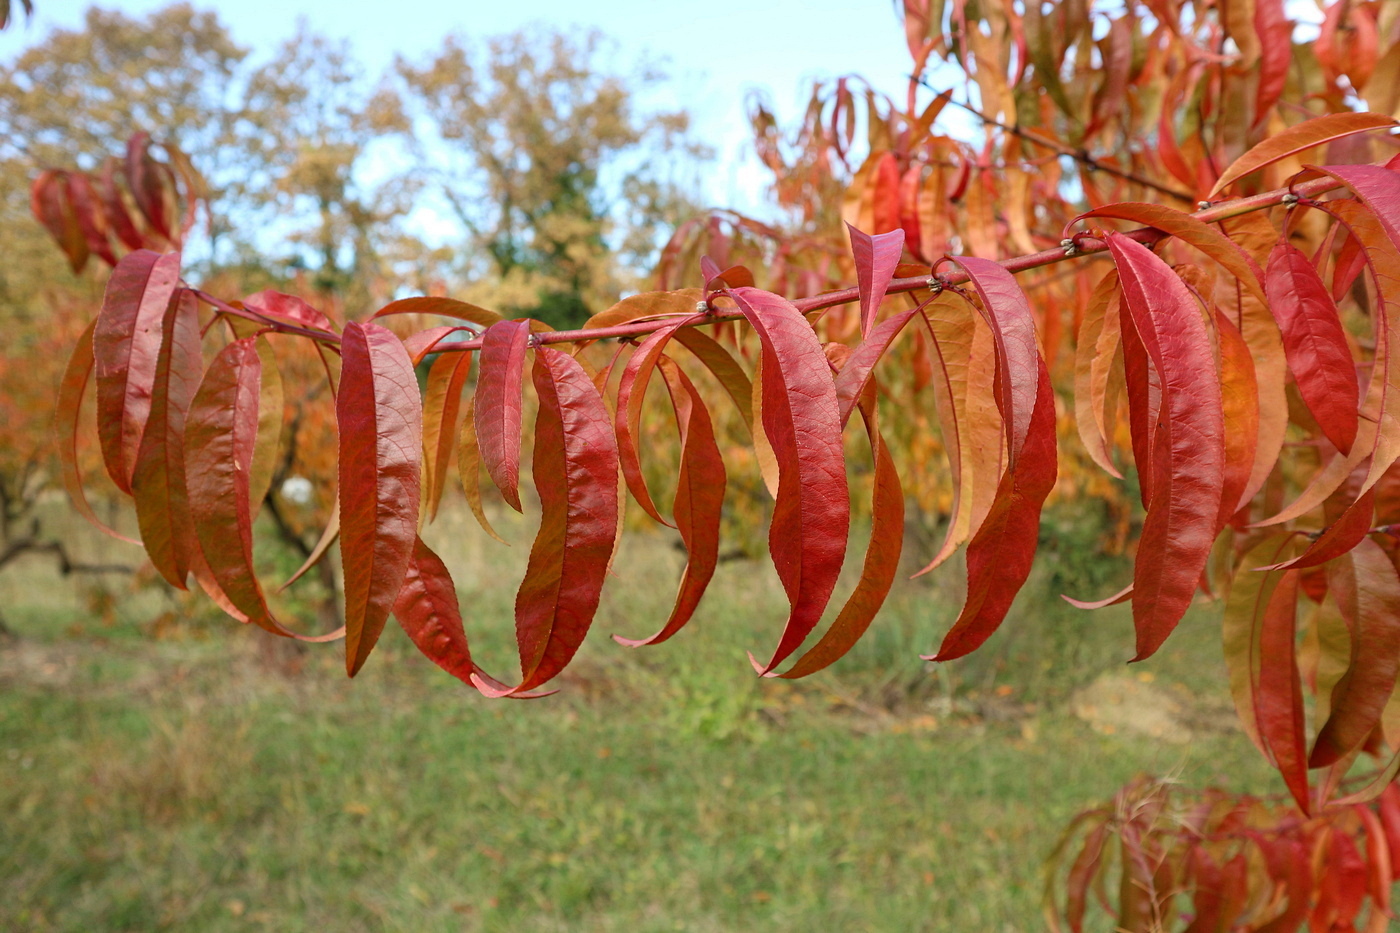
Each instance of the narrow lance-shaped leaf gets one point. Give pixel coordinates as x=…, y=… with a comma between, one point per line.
x=126, y=343
x=272, y=410
x=722, y=365
x=1097, y=349
x=498, y=398
x=442, y=411
x=1239, y=403
x=1188, y=453
x=1000, y=555
x=856, y=374
x=802, y=421
x=66, y=417
x=380, y=419
x=1278, y=701
x=1314, y=343
x=575, y=468
x=468, y=467
x=1360, y=696
x=158, y=482
x=881, y=556
x=698, y=502
x=446, y=307
x=876, y=256
x=1242, y=626
x=1299, y=138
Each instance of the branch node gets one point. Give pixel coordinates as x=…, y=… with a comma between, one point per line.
x=1289, y=200
x=1203, y=205
x=703, y=307
x=1069, y=246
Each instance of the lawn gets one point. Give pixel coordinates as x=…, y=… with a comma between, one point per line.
x=166, y=775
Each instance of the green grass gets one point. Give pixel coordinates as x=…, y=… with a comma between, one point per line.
x=181, y=783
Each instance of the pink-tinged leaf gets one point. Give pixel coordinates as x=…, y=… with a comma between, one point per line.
x=158, y=482
x=1242, y=626
x=1278, y=702
x=881, y=556
x=498, y=397
x=429, y=614
x=1351, y=260
x=1275, y=55
x=1000, y=555
x=1299, y=138
x=468, y=468
x=1339, y=537
x=575, y=468
x=1379, y=869
x=66, y=417
x=802, y=422
x=1143, y=387
x=52, y=205
x=1081, y=875
x=445, y=307
x=1188, y=443
x=1206, y=897
x=125, y=345
x=380, y=418
x=631, y=393
x=92, y=220
x=1360, y=696
x=698, y=502
x=1314, y=343
x=1239, y=400
x=117, y=215
x=855, y=374
x=442, y=412
x=220, y=435
x=1122, y=596
x=425, y=342
x=288, y=309
x=147, y=184
x=1097, y=355
x=876, y=256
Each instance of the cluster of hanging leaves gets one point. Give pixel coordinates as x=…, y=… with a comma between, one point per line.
x=1236, y=357
x=131, y=203
x=1157, y=859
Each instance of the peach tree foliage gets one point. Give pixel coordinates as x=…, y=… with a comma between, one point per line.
x=1231, y=346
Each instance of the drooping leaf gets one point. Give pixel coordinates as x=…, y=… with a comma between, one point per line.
x=158, y=482
x=125, y=345
x=1000, y=554
x=802, y=421
x=1278, y=699
x=1299, y=138
x=446, y=307
x=380, y=420
x=329, y=535
x=498, y=397
x=1239, y=401
x=1315, y=344
x=1360, y=696
x=288, y=309
x=575, y=467
x=856, y=374
x=442, y=412
x=876, y=256
x=66, y=417
x=1188, y=444
x=271, y=415
x=1276, y=54
x=1097, y=350
x=468, y=468
x=722, y=365
x=698, y=501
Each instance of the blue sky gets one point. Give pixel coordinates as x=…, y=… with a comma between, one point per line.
x=716, y=51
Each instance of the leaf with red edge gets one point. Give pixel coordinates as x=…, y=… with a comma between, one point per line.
x=118, y=217
x=158, y=481
x=52, y=205
x=427, y=610
x=1097, y=356
x=90, y=217
x=125, y=345
x=631, y=392
x=469, y=468
x=1275, y=55
x=288, y=309
x=856, y=374
x=1000, y=555
x=698, y=501
x=1188, y=443
x=498, y=398
x=147, y=184
x=876, y=256
x=446, y=307
x=575, y=468
x=1081, y=874
x=1378, y=868
x=1341, y=884
x=1339, y=537
x=1278, y=702
x=722, y=365
x=1299, y=138
x=1314, y=343
x=802, y=421
x=66, y=417
x=881, y=556
x=272, y=411
x=220, y=436
x=1351, y=260
x=647, y=305
x=1360, y=696
x=380, y=417
x=1242, y=626
x=1239, y=402
x=442, y=412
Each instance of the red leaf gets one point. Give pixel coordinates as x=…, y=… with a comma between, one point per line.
x=66, y=416
x=427, y=610
x=1276, y=54
x=158, y=482
x=90, y=217
x=118, y=218
x=575, y=468
x=1361, y=694
x=1278, y=702
x=722, y=365
x=220, y=435
x=1300, y=138
x=699, y=499
x=126, y=343
x=380, y=418
x=144, y=178
x=1239, y=400
x=1187, y=456
x=442, y=412
x=802, y=421
x=881, y=556
x=288, y=309
x=1339, y=537
x=53, y=207
x=1000, y=555
x=446, y=307
x=498, y=394
x=855, y=374
x=1314, y=343
x=876, y=256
